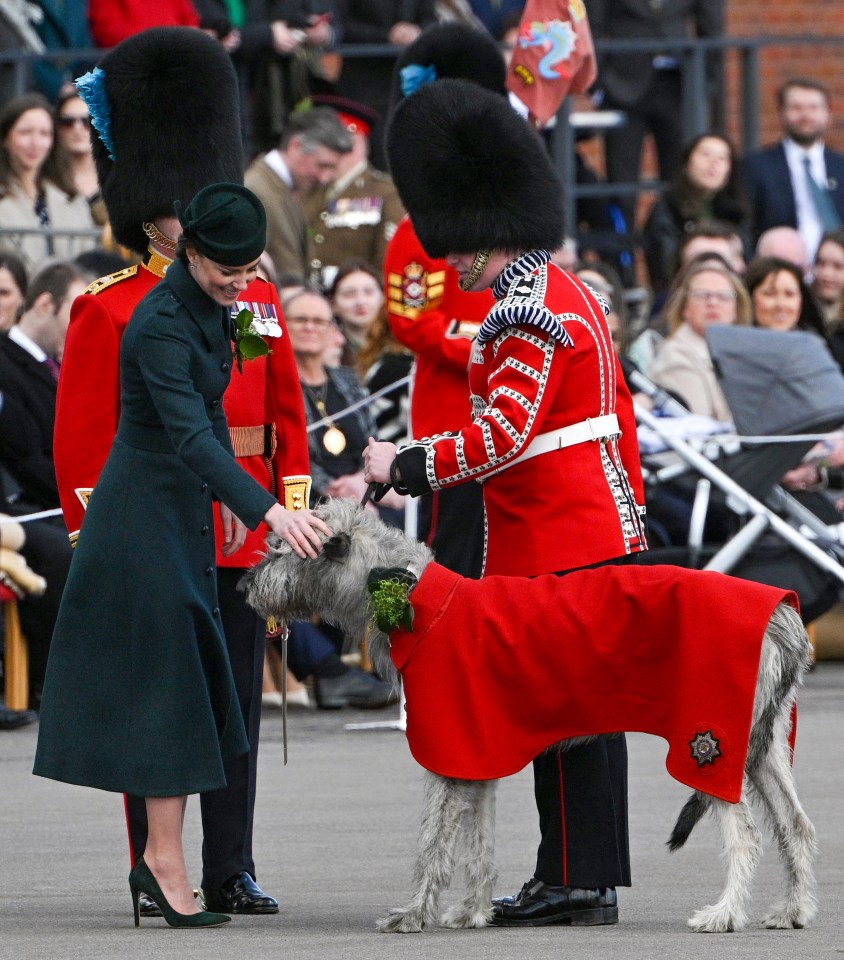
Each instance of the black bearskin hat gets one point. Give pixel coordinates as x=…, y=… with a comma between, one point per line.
x=174, y=121
x=452, y=51
x=472, y=173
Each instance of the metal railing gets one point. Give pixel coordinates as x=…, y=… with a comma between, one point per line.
x=78, y=240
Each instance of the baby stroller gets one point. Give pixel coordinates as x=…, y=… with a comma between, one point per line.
x=784, y=390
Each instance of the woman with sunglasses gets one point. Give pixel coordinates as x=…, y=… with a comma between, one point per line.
x=37, y=194
x=73, y=140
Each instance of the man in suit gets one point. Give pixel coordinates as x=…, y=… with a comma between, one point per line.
x=777, y=177
x=647, y=87
x=307, y=158
x=28, y=375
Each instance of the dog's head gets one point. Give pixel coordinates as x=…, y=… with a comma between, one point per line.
x=333, y=585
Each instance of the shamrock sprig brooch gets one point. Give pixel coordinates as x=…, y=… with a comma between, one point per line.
x=249, y=333
x=389, y=588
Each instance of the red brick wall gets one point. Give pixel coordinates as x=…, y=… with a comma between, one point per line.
x=788, y=18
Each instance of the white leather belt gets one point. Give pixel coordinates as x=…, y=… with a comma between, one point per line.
x=592, y=428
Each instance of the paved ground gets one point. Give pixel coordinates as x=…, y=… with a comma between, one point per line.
x=336, y=833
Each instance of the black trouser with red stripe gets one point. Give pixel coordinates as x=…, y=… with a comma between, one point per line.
x=227, y=814
x=581, y=796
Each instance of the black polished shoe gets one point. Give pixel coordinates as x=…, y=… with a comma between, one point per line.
x=239, y=894
x=538, y=904
x=354, y=688
x=12, y=719
x=147, y=907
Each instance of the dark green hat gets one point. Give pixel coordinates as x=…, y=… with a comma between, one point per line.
x=226, y=222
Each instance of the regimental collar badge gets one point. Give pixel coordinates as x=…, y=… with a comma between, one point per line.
x=705, y=748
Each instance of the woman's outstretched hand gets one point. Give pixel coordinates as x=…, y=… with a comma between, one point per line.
x=300, y=528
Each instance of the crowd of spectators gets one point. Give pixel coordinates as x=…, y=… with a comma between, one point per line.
x=744, y=240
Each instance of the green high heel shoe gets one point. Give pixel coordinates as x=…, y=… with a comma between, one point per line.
x=141, y=881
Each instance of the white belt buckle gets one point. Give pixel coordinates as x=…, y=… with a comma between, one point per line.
x=590, y=421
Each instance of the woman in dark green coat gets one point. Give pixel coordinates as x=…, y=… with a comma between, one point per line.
x=139, y=696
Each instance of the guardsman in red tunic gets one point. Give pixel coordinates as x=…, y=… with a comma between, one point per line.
x=430, y=314
x=161, y=143
x=552, y=440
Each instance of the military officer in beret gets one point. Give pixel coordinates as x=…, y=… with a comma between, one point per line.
x=356, y=215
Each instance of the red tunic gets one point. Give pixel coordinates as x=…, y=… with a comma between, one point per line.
x=574, y=506
x=497, y=670
x=88, y=401
x=430, y=314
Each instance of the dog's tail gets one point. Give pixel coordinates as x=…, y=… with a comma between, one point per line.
x=694, y=808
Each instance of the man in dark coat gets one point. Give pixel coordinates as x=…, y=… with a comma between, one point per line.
x=28, y=374
x=776, y=177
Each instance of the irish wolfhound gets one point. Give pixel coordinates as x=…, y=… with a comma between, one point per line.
x=335, y=587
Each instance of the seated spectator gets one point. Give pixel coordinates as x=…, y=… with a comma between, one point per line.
x=12, y=289
x=28, y=380
x=828, y=274
x=706, y=237
x=705, y=187
x=336, y=448
x=781, y=298
x=36, y=192
x=356, y=298
x=73, y=129
x=707, y=294
x=785, y=243
x=382, y=360
x=604, y=280
x=798, y=181
x=712, y=236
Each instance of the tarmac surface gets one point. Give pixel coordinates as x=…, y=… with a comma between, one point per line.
x=335, y=839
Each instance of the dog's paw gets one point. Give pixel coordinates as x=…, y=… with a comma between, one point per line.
x=715, y=919
x=789, y=916
x=461, y=918
x=400, y=920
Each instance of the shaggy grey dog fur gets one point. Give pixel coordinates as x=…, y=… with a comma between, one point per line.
x=334, y=585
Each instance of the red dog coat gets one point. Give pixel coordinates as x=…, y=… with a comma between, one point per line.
x=497, y=670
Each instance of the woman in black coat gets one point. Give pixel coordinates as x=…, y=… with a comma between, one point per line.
x=139, y=696
x=705, y=187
